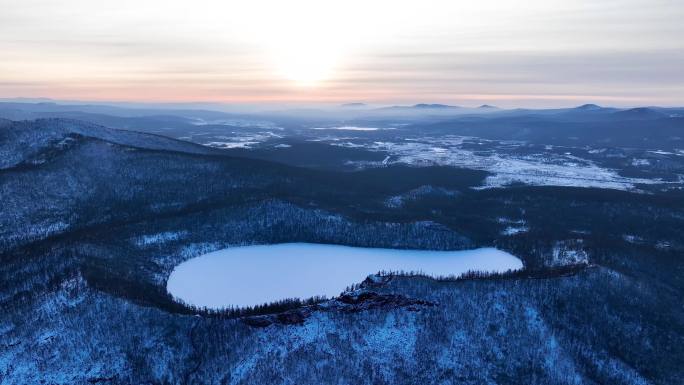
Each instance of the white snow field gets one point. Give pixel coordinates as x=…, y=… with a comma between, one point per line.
x=542, y=169
x=253, y=275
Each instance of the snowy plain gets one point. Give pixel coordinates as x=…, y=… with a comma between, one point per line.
x=253, y=275
x=539, y=169
x=353, y=128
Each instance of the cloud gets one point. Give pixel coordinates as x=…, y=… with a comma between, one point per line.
x=395, y=50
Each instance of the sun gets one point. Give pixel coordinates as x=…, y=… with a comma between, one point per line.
x=306, y=63
x=308, y=42
x=303, y=41
x=307, y=50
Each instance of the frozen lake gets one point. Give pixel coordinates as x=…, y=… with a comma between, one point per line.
x=252, y=275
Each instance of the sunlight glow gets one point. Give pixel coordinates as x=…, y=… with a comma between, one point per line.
x=334, y=50
x=307, y=56
x=306, y=41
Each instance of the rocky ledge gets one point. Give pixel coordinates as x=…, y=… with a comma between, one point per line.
x=350, y=302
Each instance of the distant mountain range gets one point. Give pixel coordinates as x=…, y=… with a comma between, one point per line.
x=642, y=127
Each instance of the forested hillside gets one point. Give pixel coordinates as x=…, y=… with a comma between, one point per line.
x=93, y=220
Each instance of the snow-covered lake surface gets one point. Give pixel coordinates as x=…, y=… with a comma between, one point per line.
x=252, y=275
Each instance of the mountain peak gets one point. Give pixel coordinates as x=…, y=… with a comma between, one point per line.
x=425, y=105
x=588, y=107
x=641, y=113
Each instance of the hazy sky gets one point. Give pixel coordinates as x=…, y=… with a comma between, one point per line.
x=510, y=53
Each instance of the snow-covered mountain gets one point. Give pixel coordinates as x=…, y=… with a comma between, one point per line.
x=24, y=140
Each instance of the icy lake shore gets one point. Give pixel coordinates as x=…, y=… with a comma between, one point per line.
x=252, y=275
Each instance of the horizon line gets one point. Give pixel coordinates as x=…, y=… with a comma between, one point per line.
x=132, y=103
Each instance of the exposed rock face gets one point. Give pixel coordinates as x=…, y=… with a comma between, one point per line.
x=376, y=280
x=351, y=302
x=290, y=317
x=355, y=302
x=293, y=317
x=258, y=321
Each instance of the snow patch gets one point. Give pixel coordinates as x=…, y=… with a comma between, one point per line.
x=632, y=238
x=159, y=238
x=513, y=230
x=570, y=252
x=352, y=128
